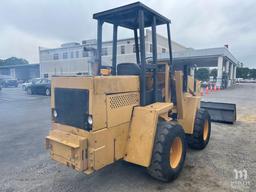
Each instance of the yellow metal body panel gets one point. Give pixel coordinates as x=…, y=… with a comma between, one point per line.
x=187, y=105
x=167, y=94
x=101, y=149
x=198, y=88
x=191, y=105
x=142, y=132
x=179, y=93
x=119, y=107
x=87, y=151
x=111, y=102
x=70, y=129
x=98, y=103
x=190, y=83
x=67, y=148
x=99, y=87
x=115, y=84
x=120, y=136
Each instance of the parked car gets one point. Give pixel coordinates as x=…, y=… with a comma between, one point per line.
x=1, y=83
x=25, y=85
x=204, y=84
x=41, y=87
x=10, y=83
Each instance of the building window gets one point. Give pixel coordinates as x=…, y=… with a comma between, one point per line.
x=77, y=54
x=134, y=48
x=55, y=56
x=163, y=50
x=104, y=51
x=85, y=54
x=122, y=49
x=150, y=48
x=72, y=54
x=65, y=55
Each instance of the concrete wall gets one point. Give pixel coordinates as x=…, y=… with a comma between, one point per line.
x=24, y=72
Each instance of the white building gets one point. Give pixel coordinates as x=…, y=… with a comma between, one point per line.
x=72, y=59
x=219, y=57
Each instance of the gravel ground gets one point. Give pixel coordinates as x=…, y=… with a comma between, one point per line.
x=25, y=165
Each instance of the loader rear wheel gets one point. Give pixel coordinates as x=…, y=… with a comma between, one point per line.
x=202, y=131
x=169, y=152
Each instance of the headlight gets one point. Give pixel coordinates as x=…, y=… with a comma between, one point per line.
x=55, y=114
x=89, y=120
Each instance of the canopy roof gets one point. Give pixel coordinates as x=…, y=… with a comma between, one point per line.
x=127, y=16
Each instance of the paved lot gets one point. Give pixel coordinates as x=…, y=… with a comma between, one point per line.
x=25, y=165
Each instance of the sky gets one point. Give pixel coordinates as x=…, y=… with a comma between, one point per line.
x=25, y=25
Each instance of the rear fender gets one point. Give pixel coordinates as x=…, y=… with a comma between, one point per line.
x=142, y=132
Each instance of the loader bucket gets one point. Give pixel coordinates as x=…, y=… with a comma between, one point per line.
x=220, y=112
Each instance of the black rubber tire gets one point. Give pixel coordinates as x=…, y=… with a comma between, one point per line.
x=196, y=140
x=160, y=167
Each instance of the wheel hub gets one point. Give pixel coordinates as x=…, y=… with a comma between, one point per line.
x=175, y=152
x=206, y=130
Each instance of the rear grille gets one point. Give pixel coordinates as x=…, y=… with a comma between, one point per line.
x=72, y=107
x=123, y=100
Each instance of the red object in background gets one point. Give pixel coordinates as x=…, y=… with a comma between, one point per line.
x=202, y=92
x=206, y=90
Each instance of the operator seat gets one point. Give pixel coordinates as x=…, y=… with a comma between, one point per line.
x=128, y=69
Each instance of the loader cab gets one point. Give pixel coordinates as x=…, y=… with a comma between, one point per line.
x=137, y=17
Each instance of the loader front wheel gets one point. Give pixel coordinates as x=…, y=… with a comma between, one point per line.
x=169, y=152
x=202, y=131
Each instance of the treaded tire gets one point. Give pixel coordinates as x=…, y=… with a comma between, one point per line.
x=197, y=140
x=160, y=167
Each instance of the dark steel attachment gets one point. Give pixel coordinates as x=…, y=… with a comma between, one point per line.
x=220, y=112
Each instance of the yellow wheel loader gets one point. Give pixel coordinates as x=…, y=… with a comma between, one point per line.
x=142, y=113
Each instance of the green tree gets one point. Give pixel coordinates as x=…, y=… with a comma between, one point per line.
x=202, y=74
x=253, y=73
x=243, y=72
x=214, y=73
x=13, y=61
